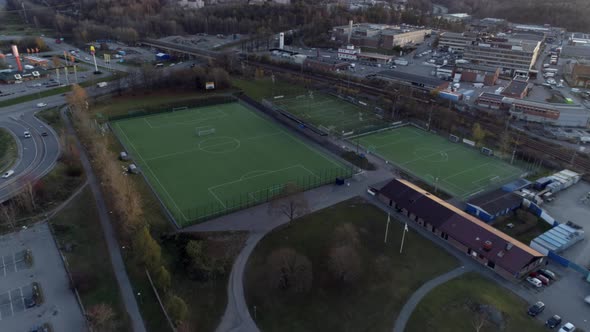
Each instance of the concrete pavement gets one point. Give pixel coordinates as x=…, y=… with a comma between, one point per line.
x=125, y=287
x=406, y=312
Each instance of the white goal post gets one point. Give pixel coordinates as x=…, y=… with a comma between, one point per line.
x=204, y=132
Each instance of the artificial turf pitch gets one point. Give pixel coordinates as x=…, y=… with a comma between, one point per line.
x=453, y=167
x=247, y=160
x=330, y=112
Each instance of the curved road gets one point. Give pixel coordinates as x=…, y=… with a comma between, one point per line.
x=37, y=154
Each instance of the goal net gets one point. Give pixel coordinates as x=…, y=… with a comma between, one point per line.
x=205, y=132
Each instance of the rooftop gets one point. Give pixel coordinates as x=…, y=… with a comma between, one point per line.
x=492, y=96
x=507, y=252
x=515, y=88
x=496, y=201
x=568, y=51
x=426, y=81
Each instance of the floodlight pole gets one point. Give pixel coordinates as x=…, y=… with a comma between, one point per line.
x=401, y=248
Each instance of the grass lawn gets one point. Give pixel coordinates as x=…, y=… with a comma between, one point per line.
x=322, y=110
x=371, y=303
x=452, y=307
x=453, y=167
x=13, y=24
x=246, y=159
x=523, y=229
x=8, y=150
x=78, y=227
x=206, y=299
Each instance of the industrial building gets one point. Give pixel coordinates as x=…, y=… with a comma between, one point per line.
x=491, y=101
x=580, y=39
x=478, y=74
x=565, y=115
x=427, y=82
x=517, y=88
x=324, y=64
x=512, y=56
x=352, y=53
x=378, y=36
x=575, y=52
x=577, y=74
x=456, y=17
x=456, y=41
x=490, y=247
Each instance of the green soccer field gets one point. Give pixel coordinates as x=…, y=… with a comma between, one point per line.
x=212, y=160
x=331, y=113
x=453, y=167
x=321, y=110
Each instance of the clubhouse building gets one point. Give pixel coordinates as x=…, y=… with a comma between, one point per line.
x=505, y=255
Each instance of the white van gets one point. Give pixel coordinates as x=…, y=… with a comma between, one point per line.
x=7, y=174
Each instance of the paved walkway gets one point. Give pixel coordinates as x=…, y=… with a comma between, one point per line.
x=406, y=312
x=113, y=246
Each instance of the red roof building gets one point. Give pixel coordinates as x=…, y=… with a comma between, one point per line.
x=505, y=255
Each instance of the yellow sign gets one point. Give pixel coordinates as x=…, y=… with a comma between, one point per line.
x=92, y=50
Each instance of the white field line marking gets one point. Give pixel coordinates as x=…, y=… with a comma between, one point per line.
x=429, y=155
x=173, y=154
x=190, y=122
x=297, y=140
x=10, y=301
x=3, y=266
x=212, y=189
x=467, y=170
x=151, y=171
x=262, y=136
x=14, y=260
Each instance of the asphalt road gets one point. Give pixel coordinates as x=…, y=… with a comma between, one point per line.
x=37, y=154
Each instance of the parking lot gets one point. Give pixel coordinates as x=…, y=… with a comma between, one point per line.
x=21, y=306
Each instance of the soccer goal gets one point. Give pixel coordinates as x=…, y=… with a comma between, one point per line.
x=453, y=138
x=176, y=109
x=487, y=151
x=204, y=132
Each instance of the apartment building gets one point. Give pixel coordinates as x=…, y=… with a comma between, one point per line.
x=510, y=55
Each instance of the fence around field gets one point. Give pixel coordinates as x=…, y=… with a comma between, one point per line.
x=171, y=107
x=249, y=199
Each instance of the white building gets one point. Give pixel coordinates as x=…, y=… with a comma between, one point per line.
x=348, y=53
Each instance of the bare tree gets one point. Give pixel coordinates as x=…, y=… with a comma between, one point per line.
x=101, y=317
x=78, y=98
x=479, y=320
x=345, y=264
x=291, y=202
x=289, y=270
x=8, y=214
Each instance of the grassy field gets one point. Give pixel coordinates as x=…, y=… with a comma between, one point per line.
x=321, y=110
x=12, y=24
x=524, y=229
x=8, y=150
x=371, y=303
x=246, y=160
x=452, y=307
x=78, y=227
x=453, y=167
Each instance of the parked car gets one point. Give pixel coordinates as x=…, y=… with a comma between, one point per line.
x=536, y=309
x=534, y=281
x=568, y=327
x=41, y=105
x=553, y=322
x=547, y=273
x=543, y=279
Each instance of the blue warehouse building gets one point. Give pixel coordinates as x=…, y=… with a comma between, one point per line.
x=489, y=206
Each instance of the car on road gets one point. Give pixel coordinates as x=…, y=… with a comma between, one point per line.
x=536, y=309
x=587, y=299
x=44, y=134
x=534, y=281
x=553, y=322
x=7, y=174
x=41, y=105
x=568, y=327
x=27, y=134
x=37, y=85
x=86, y=58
